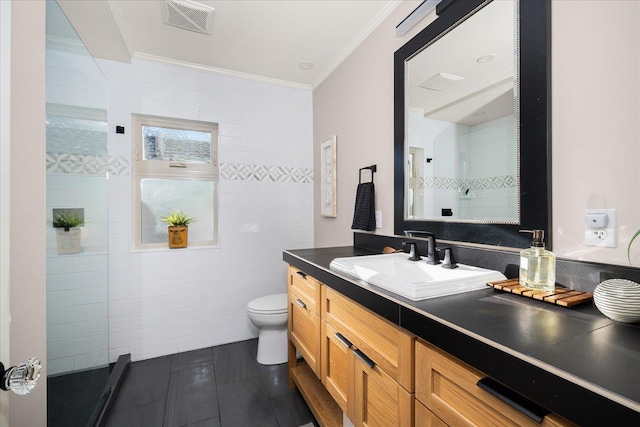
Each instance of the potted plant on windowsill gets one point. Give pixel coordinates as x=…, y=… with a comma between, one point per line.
x=68, y=232
x=178, y=229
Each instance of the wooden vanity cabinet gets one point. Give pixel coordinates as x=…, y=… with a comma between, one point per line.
x=378, y=374
x=448, y=389
x=304, y=320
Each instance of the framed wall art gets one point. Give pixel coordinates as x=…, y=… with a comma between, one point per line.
x=328, y=188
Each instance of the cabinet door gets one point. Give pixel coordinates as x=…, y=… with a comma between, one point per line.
x=378, y=400
x=337, y=366
x=304, y=330
x=426, y=418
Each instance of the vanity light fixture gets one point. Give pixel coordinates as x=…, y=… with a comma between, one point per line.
x=486, y=58
x=416, y=16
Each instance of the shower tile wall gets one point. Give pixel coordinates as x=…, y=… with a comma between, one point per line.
x=77, y=284
x=481, y=159
x=169, y=301
x=491, y=170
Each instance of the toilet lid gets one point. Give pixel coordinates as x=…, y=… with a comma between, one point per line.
x=270, y=304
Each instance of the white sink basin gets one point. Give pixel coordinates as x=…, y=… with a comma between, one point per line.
x=415, y=280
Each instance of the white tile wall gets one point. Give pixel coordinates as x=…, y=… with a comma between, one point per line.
x=483, y=157
x=161, y=302
x=492, y=146
x=167, y=301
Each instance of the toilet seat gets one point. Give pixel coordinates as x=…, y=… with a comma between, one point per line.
x=270, y=304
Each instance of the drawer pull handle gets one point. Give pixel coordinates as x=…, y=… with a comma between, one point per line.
x=343, y=340
x=301, y=303
x=301, y=274
x=370, y=363
x=513, y=399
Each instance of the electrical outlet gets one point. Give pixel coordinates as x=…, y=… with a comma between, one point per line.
x=600, y=227
x=378, y=219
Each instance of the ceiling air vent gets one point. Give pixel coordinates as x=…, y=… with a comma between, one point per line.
x=189, y=15
x=440, y=81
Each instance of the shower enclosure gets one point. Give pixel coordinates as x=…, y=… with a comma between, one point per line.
x=77, y=256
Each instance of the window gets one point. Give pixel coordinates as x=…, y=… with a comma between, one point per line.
x=175, y=167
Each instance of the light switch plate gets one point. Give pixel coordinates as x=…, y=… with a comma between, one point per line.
x=600, y=236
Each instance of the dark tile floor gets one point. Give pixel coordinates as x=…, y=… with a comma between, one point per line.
x=217, y=386
x=72, y=399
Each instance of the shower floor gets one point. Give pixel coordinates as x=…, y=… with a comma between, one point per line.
x=72, y=398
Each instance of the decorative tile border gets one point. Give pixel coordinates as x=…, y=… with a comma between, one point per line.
x=79, y=164
x=242, y=172
x=444, y=183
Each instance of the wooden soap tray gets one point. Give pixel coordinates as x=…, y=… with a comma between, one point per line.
x=560, y=296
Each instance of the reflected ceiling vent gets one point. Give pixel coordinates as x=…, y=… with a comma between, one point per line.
x=188, y=15
x=440, y=81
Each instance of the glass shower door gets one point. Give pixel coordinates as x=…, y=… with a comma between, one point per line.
x=77, y=229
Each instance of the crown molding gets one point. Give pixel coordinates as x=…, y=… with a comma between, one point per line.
x=221, y=71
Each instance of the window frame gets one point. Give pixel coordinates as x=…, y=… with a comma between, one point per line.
x=162, y=169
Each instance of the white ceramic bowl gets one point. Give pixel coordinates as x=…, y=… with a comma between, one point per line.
x=618, y=299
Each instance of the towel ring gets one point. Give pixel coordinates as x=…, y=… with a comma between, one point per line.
x=372, y=168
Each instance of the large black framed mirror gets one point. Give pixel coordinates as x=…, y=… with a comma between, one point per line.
x=521, y=87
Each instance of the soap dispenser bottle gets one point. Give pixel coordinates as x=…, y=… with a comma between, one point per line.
x=537, y=265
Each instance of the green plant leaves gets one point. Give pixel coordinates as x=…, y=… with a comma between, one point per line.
x=178, y=219
x=67, y=220
x=637, y=233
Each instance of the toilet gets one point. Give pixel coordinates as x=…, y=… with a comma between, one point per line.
x=269, y=315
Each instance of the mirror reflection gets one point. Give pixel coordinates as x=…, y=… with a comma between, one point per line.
x=462, y=151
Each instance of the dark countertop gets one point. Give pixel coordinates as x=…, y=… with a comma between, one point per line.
x=574, y=362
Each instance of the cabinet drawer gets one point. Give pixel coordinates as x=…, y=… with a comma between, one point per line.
x=307, y=288
x=378, y=399
x=304, y=331
x=426, y=418
x=449, y=389
x=389, y=346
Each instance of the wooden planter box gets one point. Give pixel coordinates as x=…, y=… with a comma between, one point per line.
x=178, y=237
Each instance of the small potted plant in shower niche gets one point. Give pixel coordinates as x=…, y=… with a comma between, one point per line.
x=178, y=229
x=68, y=232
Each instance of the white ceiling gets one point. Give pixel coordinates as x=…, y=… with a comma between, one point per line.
x=257, y=38
x=486, y=90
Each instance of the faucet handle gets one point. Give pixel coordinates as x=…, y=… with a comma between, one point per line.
x=414, y=254
x=449, y=260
